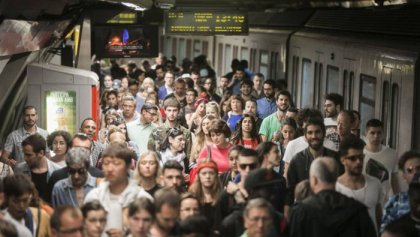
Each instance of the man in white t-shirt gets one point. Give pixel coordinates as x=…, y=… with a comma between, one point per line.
x=353, y=183
x=332, y=106
x=118, y=190
x=380, y=161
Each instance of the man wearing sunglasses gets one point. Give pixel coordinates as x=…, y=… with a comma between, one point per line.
x=353, y=183
x=71, y=191
x=398, y=204
x=298, y=170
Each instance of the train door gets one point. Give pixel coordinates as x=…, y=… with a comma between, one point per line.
x=391, y=84
x=294, y=73
x=349, y=68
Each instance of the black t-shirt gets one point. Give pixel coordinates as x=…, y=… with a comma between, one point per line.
x=40, y=181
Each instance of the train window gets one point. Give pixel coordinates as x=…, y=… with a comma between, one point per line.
x=228, y=57
x=245, y=53
x=252, y=63
x=205, y=49
x=220, y=59
x=174, y=44
x=168, y=46
x=274, y=64
x=235, y=52
x=385, y=108
x=197, y=48
x=394, y=115
x=307, y=88
x=182, y=49
x=367, y=99
x=188, y=48
x=295, y=63
x=351, y=86
x=264, y=63
x=332, y=79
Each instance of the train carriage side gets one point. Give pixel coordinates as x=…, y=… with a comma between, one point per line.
x=376, y=76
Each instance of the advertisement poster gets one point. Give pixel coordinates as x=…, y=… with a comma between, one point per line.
x=60, y=111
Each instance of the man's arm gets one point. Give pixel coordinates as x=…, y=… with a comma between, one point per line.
x=394, y=183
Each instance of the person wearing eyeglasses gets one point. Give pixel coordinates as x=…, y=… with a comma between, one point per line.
x=71, y=191
x=173, y=148
x=398, y=204
x=66, y=221
x=258, y=218
x=298, y=169
x=353, y=183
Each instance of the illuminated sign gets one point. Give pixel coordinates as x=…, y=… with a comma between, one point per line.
x=123, y=18
x=60, y=107
x=206, y=23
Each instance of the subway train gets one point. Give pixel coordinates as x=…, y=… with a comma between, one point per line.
x=370, y=56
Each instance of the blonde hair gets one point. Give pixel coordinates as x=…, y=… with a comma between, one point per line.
x=137, y=175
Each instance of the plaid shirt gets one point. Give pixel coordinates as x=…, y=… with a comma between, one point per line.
x=14, y=140
x=397, y=206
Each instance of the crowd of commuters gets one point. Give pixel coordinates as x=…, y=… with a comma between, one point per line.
x=179, y=152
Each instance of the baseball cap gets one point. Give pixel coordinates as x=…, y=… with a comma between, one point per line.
x=259, y=178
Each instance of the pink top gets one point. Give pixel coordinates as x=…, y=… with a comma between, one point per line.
x=218, y=155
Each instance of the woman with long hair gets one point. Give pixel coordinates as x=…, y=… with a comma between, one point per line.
x=218, y=151
x=59, y=142
x=194, y=119
x=202, y=138
x=225, y=106
x=140, y=217
x=173, y=148
x=147, y=172
x=207, y=187
x=246, y=132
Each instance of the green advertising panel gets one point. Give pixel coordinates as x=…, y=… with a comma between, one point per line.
x=60, y=107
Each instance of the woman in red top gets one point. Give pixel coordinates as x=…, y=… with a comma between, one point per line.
x=220, y=135
x=247, y=134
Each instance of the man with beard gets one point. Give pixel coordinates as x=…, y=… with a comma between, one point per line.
x=36, y=165
x=167, y=210
x=158, y=135
x=314, y=132
x=353, y=183
x=267, y=104
x=13, y=152
x=179, y=93
x=272, y=123
x=168, y=87
x=332, y=106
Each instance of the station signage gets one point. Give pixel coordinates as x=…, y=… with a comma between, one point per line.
x=206, y=22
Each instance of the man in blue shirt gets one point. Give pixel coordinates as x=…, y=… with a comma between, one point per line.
x=399, y=204
x=267, y=104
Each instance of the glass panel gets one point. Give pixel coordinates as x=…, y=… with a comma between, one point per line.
x=264, y=63
x=245, y=53
x=197, y=48
x=394, y=115
x=228, y=57
x=182, y=50
x=167, y=51
x=385, y=108
x=307, y=92
x=220, y=59
x=332, y=79
x=205, y=49
x=351, y=86
x=367, y=99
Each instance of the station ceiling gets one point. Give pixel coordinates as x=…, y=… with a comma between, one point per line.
x=36, y=9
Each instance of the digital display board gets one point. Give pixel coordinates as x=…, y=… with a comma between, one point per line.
x=206, y=22
x=126, y=41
